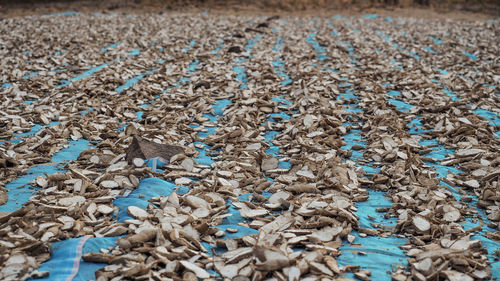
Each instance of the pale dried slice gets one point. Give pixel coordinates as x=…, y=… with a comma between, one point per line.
x=453, y=275
x=200, y=272
x=109, y=184
x=196, y=202
x=269, y=163
x=138, y=162
x=104, y=209
x=421, y=224
x=73, y=200
x=137, y=213
x=253, y=213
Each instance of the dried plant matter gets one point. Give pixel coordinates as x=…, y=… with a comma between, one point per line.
x=279, y=129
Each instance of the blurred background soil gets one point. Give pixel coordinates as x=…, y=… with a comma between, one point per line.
x=451, y=9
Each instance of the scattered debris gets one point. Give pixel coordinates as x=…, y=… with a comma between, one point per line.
x=144, y=149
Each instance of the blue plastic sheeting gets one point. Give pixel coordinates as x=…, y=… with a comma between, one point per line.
x=252, y=43
x=386, y=38
x=451, y=94
x=219, y=46
x=134, y=52
x=396, y=45
x=439, y=152
x=233, y=221
x=189, y=47
x=431, y=50
x=238, y=67
x=393, y=93
x=488, y=115
x=114, y=45
x=241, y=74
x=156, y=164
x=66, y=262
x=191, y=68
x=140, y=113
x=130, y=82
x=334, y=31
x=65, y=259
x=33, y=130
x=274, y=150
x=377, y=254
x=348, y=95
x=20, y=190
x=436, y=40
x=487, y=243
x=370, y=16
x=414, y=55
x=400, y=105
x=353, y=109
x=84, y=75
x=220, y=105
x=63, y=14
x=282, y=100
x=349, y=47
x=148, y=188
x=442, y=71
x=279, y=63
x=381, y=254
x=397, y=65
x=318, y=49
x=31, y=74
x=469, y=55
x=88, y=269
x=353, y=138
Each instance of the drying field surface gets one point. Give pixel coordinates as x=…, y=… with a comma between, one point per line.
x=301, y=148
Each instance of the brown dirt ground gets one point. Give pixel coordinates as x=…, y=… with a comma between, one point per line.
x=9, y=9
